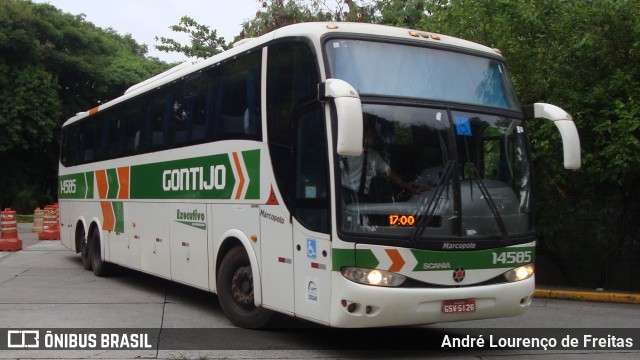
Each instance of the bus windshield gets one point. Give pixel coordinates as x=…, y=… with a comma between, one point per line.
x=466, y=174
x=375, y=68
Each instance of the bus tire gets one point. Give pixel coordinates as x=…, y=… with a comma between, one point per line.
x=235, y=291
x=100, y=267
x=84, y=251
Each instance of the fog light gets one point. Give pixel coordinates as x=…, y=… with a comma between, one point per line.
x=352, y=307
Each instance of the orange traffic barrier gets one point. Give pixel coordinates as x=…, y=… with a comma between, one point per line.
x=38, y=220
x=9, y=240
x=51, y=223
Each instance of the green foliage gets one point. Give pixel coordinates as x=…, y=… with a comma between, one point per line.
x=204, y=41
x=31, y=107
x=53, y=65
x=278, y=13
x=618, y=143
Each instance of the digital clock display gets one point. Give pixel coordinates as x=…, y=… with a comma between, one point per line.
x=401, y=220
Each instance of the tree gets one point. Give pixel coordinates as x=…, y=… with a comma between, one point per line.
x=53, y=65
x=278, y=13
x=204, y=41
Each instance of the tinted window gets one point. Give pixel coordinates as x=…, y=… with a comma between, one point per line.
x=297, y=133
x=217, y=103
x=237, y=98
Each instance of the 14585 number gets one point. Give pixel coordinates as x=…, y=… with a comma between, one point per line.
x=512, y=257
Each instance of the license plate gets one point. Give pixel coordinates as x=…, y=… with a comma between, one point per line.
x=459, y=306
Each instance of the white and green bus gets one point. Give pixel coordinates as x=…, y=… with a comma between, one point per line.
x=353, y=175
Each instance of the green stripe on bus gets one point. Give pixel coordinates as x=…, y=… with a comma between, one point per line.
x=118, y=212
x=430, y=260
x=72, y=186
x=482, y=259
x=88, y=177
x=206, y=177
x=114, y=186
x=252, y=163
x=351, y=257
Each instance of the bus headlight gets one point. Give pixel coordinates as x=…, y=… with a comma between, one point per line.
x=373, y=277
x=520, y=273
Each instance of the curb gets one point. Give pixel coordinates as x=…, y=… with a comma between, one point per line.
x=612, y=297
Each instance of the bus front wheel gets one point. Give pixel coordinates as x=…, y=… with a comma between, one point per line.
x=235, y=291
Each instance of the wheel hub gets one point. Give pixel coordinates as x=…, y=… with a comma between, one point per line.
x=242, y=286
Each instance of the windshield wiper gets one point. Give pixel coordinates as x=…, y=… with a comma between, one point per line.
x=490, y=203
x=428, y=205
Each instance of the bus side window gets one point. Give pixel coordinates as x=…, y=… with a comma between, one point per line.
x=133, y=121
x=237, y=99
x=111, y=140
x=88, y=131
x=178, y=133
x=158, y=105
x=67, y=149
x=64, y=146
x=200, y=111
x=198, y=97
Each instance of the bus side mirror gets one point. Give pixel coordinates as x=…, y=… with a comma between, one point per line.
x=349, y=115
x=566, y=126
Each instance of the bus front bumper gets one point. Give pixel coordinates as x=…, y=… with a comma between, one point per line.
x=357, y=305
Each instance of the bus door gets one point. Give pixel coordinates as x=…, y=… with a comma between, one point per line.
x=311, y=225
x=295, y=250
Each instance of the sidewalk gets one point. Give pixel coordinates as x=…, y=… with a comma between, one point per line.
x=30, y=238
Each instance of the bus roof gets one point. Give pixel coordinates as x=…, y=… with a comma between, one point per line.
x=314, y=31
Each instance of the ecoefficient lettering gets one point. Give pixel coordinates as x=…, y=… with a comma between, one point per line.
x=194, y=178
x=190, y=216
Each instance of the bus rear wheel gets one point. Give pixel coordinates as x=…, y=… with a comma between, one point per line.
x=235, y=291
x=84, y=251
x=100, y=267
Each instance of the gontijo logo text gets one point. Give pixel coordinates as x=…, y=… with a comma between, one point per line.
x=195, y=178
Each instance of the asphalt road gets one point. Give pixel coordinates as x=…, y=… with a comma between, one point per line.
x=44, y=287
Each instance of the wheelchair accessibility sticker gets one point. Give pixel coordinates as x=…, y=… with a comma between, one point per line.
x=463, y=126
x=311, y=248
